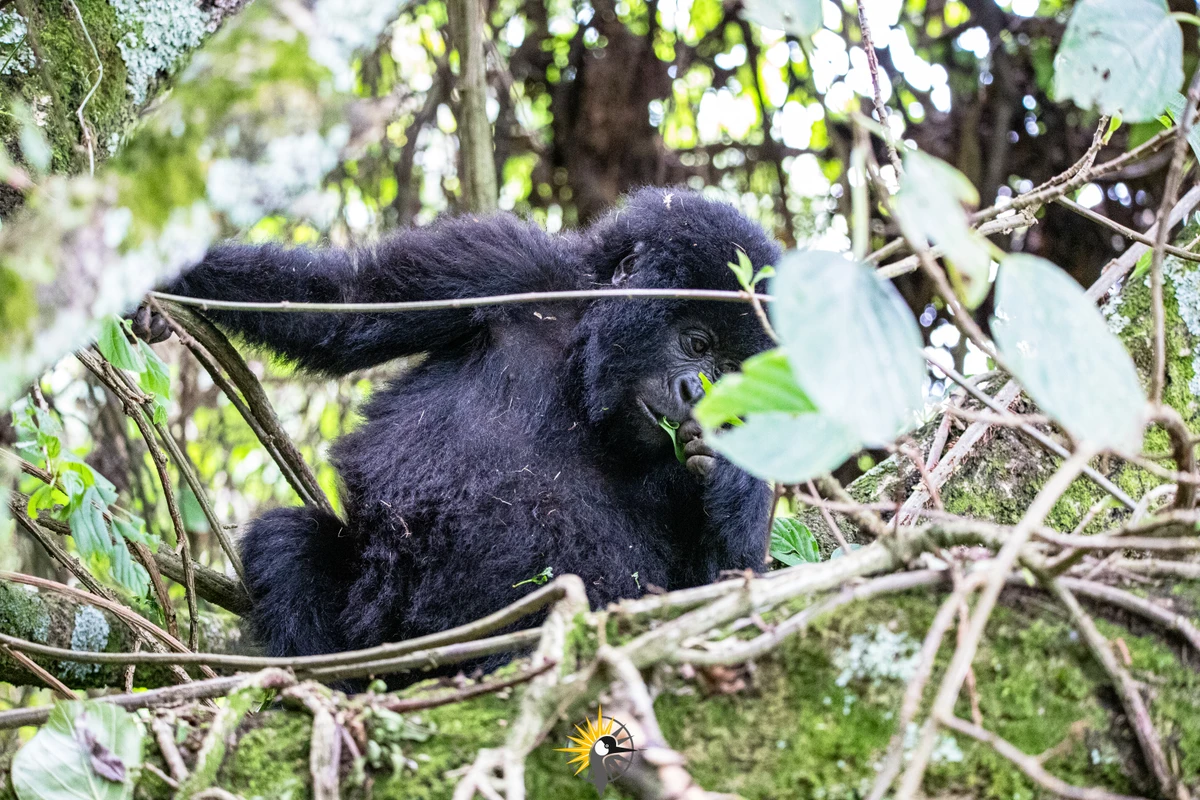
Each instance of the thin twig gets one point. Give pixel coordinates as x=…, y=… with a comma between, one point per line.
x=285, y=306
x=880, y=107
x=1030, y=765
x=1126, y=688
x=1005, y=560
x=1128, y=233
x=58, y=687
x=1136, y=605
x=915, y=690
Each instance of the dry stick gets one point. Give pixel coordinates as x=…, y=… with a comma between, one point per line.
x=1128, y=233
x=58, y=687
x=880, y=107
x=1101, y=542
x=964, y=654
x=911, y=702
x=1136, y=605
x=1030, y=765
x=1157, y=567
x=118, y=610
x=531, y=603
x=1042, y=439
x=1127, y=690
x=1120, y=266
x=163, y=725
x=1077, y=174
x=243, y=389
x=739, y=652
x=834, y=528
x=1174, y=177
x=1022, y=219
x=170, y=695
x=408, y=704
x=134, y=409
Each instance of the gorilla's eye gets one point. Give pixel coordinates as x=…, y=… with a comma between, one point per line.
x=697, y=344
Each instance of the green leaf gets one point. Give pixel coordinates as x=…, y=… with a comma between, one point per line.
x=853, y=345
x=85, y=751
x=1121, y=57
x=797, y=17
x=766, y=383
x=86, y=519
x=788, y=448
x=1060, y=349
x=134, y=532
x=1175, y=108
x=115, y=347
x=155, y=379
x=130, y=576
x=929, y=207
x=792, y=542
x=672, y=429
x=743, y=270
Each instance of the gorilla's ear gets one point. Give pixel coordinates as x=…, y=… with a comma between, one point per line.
x=628, y=266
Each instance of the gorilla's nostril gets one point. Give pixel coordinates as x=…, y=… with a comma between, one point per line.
x=689, y=389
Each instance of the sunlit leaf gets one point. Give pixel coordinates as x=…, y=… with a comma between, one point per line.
x=1121, y=57
x=85, y=751
x=766, y=383
x=929, y=208
x=1060, y=349
x=797, y=17
x=126, y=573
x=789, y=448
x=115, y=347
x=792, y=542
x=852, y=342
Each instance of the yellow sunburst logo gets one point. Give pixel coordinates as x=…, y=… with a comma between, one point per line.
x=588, y=734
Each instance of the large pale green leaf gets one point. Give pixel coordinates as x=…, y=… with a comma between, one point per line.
x=85, y=751
x=766, y=383
x=929, y=207
x=797, y=17
x=789, y=448
x=1121, y=57
x=1057, y=344
x=852, y=342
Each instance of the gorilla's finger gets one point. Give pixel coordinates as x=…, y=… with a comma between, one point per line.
x=700, y=466
x=689, y=429
x=142, y=319
x=160, y=331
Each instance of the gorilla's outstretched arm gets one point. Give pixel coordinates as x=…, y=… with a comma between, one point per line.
x=459, y=257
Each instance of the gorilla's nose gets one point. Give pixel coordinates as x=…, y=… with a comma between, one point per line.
x=688, y=390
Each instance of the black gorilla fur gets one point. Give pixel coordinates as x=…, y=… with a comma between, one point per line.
x=528, y=438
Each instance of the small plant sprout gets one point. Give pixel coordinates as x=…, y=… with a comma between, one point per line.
x=540, y=579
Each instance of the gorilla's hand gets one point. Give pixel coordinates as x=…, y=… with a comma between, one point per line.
x=149, y=325
x=700, y=457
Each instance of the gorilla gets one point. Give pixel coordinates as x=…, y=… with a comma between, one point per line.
x=530, y=437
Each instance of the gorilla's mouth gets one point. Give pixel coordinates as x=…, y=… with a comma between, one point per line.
x=650, y=413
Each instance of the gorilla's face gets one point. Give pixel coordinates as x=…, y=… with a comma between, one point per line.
x=645, y=362
x=690, y=348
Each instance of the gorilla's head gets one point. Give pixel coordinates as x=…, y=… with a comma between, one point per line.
x=639, y=361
